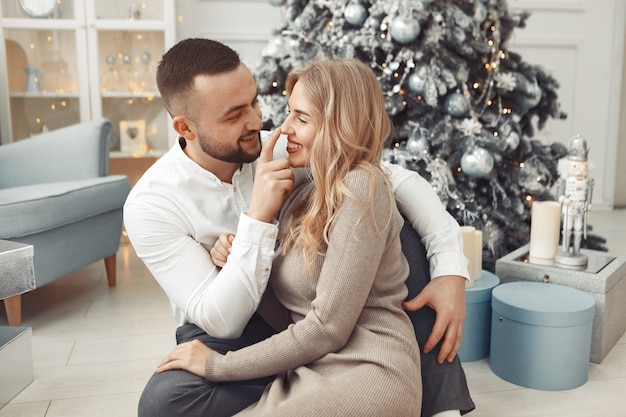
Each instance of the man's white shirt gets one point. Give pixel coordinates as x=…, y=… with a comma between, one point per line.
x=177, y=210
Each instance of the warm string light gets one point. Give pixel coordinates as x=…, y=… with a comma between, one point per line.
x=387, y=69
x=54, y=106
x=482, y=92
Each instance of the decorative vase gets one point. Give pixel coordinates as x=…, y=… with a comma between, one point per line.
x=33, y=82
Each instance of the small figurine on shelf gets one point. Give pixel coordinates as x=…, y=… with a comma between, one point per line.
x=134, y=12
x=574, y=192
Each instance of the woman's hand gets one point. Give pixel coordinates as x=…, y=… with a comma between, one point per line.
x=273, y=181
x=188, y=356
x=220, y=251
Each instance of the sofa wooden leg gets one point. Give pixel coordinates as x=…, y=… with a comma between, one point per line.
x=13, y=306
x=111, y=268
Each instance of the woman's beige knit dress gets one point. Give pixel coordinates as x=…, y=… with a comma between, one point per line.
x=351, y=350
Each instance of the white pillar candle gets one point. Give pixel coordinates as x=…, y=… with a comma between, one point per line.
x=478, y=254
x=469, y=245
x=545, y=222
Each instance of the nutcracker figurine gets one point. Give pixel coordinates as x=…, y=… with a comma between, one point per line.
x=574, y=192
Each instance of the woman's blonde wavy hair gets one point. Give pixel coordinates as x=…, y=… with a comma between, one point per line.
x=348, y=106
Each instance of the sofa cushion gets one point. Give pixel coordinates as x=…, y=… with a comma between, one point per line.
x=36, y=208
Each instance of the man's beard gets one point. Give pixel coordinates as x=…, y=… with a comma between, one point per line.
x=235, y=154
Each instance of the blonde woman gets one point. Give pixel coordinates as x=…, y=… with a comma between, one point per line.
x=350, y=348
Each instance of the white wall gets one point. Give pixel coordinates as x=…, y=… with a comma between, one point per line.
x=245, y=26
x=620, y=172
x=581, y=42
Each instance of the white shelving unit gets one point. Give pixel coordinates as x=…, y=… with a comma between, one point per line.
x=87, y=59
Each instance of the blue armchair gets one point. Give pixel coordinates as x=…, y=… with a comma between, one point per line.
x=56, y=194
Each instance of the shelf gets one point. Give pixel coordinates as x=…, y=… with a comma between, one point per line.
x=149, y=154
x=129, y=94
x=93, y=59
x=129, y=25
x=41, y=24
x=43, y=95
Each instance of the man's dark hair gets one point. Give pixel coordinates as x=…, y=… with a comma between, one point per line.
x=189, y=58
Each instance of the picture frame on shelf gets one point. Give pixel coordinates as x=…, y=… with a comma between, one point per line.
x=133, y=136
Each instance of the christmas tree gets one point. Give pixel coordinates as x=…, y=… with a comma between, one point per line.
x=464, y=107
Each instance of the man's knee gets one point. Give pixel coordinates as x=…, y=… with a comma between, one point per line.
x=155, y=399
x=171, y=393
x=179, y=393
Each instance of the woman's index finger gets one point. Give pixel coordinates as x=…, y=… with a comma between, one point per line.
x=267, y=151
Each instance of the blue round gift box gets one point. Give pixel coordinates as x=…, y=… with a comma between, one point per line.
x=541, y=335
x=477, y=327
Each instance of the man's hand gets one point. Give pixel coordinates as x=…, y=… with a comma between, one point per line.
x=445, y=295
x=273, y=181
x=220, y=251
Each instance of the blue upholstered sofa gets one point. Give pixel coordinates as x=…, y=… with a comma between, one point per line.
x=56, y=194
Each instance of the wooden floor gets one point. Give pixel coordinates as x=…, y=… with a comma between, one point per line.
x=95, y=347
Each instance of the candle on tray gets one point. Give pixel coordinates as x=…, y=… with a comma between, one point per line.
x=469, y=245
x=478, y=254
x=545, y=221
